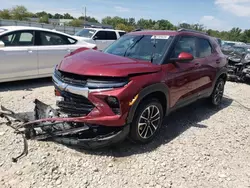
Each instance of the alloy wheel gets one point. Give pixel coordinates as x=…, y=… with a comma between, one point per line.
x=218, y=93
x=149, y=122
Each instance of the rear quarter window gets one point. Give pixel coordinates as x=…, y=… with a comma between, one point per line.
x=122, y=33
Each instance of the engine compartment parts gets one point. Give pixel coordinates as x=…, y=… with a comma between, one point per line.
x=49, y=126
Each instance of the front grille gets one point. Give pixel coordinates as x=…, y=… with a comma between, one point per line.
x=74, y=105
x=70, y=78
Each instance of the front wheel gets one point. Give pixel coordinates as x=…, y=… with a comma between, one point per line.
x=218, y=92
x=147, y=121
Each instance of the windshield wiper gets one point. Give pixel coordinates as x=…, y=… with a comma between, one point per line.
x=132, y=45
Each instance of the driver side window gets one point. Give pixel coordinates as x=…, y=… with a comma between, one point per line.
x=185, y=44
x=100, y=35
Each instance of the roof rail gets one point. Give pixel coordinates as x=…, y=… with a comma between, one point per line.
x=191, y=30
x=136, y=30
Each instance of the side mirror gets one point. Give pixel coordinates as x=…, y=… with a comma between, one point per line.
x=183, y=57
x=95, y=37
x=2, y=44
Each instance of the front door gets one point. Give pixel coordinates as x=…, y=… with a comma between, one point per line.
x=182, y=77
x=18, y=59
x=104, y=39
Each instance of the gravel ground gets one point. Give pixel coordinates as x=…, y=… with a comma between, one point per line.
x=202, y=147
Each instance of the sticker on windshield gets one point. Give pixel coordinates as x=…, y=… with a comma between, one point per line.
x=160, y=37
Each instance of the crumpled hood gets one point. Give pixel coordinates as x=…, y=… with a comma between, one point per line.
x=96, y=63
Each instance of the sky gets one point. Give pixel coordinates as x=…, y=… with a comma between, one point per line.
x=214, y=14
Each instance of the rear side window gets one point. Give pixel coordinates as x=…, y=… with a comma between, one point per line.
x=122, y=33
x=111, y=35
x=48, y=38
x=204, y=48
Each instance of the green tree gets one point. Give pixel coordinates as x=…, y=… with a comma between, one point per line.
x=58, y=16
x=235, y=33
x=67, y=16
x=19, y=13
x=5, y=14
x=44, y=19
x=89, y=19
x=75, y=23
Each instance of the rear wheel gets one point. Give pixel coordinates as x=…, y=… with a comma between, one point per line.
x=218, y=92
x=147, y=121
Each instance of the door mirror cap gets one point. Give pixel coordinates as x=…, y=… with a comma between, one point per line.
x=2, y=44
x=95, y=37
x=183, y=57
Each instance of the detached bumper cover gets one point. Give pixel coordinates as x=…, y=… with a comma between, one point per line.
x=48, y=125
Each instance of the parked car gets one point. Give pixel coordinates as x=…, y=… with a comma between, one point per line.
x=101, y=37
x=30, y=52
x=128, y=89
x=239, y=63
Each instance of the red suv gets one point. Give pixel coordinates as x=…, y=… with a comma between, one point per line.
x=128, y=89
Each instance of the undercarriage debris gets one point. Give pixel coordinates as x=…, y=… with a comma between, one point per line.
x=49, y=125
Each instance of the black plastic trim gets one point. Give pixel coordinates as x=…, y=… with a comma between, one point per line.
x=159, y=87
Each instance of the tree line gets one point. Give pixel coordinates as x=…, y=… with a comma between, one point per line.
x=127, y=24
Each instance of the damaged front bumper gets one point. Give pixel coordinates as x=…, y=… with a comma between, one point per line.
x=49, y=125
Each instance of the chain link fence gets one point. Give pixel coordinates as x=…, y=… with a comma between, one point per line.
x=66, y=29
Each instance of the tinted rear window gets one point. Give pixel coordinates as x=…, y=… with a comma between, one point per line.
x=111, y=35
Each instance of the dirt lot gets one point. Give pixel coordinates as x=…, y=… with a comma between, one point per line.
x=198, y=147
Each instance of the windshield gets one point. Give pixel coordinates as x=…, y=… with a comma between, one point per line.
x=239, y=49
x=88, y=33
x=143, y=47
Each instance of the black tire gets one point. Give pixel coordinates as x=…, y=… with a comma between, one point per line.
x=217, y=95
x=153, y=125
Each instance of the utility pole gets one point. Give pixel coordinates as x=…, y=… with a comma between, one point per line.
x=84, y=14
x=85, y=17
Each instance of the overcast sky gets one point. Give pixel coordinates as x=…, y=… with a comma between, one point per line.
x=215, y=14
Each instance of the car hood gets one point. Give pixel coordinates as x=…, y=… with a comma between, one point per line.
x=96, y=63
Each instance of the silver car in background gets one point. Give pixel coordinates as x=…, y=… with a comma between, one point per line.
x=30, y=52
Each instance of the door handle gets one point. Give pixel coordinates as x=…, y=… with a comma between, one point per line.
x=29, y=51
x=217, y=61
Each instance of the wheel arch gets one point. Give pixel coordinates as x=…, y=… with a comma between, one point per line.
x=222, y=73
x=159, y=91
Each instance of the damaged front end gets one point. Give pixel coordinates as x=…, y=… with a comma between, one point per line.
x=48, y=124
x=239, y=67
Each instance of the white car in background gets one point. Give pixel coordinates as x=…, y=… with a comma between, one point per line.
x=32, y=52
x=101, y=37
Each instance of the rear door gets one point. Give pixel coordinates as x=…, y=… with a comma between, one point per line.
x=51, y=50
x=18, y=59
x=209, y=60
